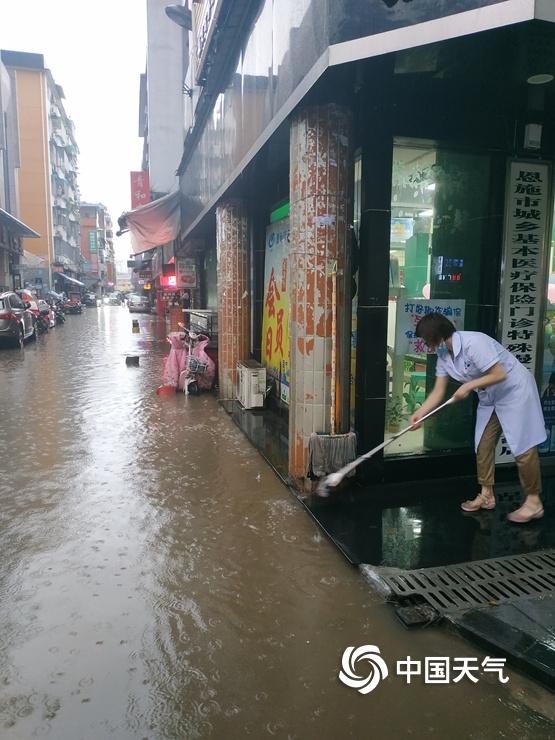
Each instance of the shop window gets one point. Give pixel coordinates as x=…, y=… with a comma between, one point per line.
x=439, y=213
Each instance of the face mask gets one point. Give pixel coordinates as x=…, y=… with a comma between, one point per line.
x=442, y=350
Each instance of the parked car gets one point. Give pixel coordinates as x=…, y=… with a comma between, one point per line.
x=89, y=299
x=16, y=320
x=138, y=304
x=73, y=303
x=114, y=299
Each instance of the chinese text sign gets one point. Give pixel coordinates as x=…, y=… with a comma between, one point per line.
x=527, y=203
x=409, y=313
x=140, y=189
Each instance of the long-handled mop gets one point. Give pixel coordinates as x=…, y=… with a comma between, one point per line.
x=331, y=451
x=334, y=479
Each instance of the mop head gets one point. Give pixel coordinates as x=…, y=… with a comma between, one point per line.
x=328, y=453
x=325, y=486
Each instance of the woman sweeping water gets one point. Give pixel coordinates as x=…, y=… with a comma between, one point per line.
x=508, y=403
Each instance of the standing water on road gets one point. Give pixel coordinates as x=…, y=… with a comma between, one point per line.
x=158, y=581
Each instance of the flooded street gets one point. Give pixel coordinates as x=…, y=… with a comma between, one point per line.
x=158, y=581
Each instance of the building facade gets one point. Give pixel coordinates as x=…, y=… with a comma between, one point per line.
x=162, y=124
x=47, y=175
x=12, y=230
x=161, y=115
x=97, y=248
x=399, y=151
x=65, y=190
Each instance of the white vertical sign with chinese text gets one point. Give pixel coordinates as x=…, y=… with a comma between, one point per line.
x=527, y=204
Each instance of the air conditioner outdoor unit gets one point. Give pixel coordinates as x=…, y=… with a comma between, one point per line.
x=251, y=384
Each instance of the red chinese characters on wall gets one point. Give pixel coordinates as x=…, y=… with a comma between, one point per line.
x=140, y=189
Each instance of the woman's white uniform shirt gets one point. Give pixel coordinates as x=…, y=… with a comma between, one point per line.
x=515, y=400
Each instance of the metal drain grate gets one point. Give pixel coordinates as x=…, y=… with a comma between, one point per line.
x=479, y=583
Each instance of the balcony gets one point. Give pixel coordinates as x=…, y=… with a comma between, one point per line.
x=60, y=231
x=58, y=139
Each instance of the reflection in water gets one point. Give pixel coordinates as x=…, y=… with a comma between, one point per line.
x=158, y=581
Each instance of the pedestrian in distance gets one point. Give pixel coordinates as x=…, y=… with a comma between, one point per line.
x=508, y=403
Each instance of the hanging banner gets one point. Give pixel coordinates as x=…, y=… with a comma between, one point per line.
x=140, y=189
x=275, y=322
x=525, y=242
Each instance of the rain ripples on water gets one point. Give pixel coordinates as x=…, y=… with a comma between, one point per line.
x=158, y=581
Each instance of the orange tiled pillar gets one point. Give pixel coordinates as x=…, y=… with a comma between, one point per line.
x=233, y=293
x=176, y=317
x=321, y=176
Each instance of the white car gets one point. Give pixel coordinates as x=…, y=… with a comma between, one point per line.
x=138, y=304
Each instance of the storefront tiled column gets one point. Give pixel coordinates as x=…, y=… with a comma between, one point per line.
x=233, y=293
x=321, y=179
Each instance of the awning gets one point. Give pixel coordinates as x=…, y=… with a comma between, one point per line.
x=67, y=277
x=33, y=260
x=153, y=224
x=17, y=227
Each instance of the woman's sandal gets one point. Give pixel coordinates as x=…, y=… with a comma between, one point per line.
x=480, y=502
x=520, y=517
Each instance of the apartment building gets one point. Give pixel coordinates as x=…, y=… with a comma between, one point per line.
x=47, y=175
x=97, y=247
x=12, y=229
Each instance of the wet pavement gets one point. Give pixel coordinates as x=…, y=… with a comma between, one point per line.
x=408, y=524
x=157, y=580
x=524, y=630
x=421, y=525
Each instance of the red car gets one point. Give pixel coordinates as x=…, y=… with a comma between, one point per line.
x=16, y=320
x=73, y=304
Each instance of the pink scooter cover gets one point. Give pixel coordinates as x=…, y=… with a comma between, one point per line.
x=176, y=361
x=205, y=380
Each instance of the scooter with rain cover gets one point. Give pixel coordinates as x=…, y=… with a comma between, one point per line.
x=200, y=370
